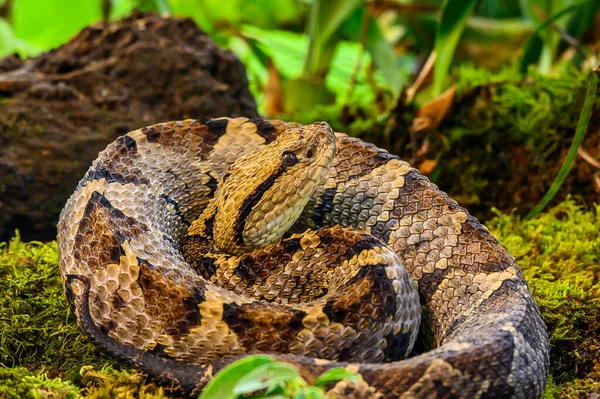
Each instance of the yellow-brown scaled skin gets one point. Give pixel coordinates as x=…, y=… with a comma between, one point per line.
x=269, y=188
x=334, y=296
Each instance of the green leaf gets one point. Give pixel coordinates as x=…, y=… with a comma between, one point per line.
x=221, y=386
x=325, y=19
x=8, y=41
x=309, y=393
x=533, y=47
x=48, y=24
x=287, y=50
x=121, y=8
x=336, y=374
x=162, y=6
x=194, y=9
x=454, y=17
x=394, y=72
x=582, y=126
x=268, y=376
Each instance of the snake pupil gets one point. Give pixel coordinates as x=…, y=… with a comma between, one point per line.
x=289, y=158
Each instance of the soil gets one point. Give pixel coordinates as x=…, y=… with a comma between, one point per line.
x=57, y=111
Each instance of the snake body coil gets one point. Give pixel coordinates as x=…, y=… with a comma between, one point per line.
x=187, y=246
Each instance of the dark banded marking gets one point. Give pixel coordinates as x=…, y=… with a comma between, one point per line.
x=175, y=205
x=175, y=307
x=153, y=134
x=251, y=201
x=127, y=144
x=265, y=129
x=355, y=246
x=111, y=227
x=213, y=184
x=396, y=347
x=186, y=376
x=371, y=163
x=195, y=250
x=252, y=271
x=263, y=329
x=351, y=149
x=347, y=307
x=113, y=176
x=217, y=127
x=324, y=207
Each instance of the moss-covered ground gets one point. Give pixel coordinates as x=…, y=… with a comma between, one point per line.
x=44, y=355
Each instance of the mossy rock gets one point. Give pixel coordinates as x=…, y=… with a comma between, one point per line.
x=43, y=354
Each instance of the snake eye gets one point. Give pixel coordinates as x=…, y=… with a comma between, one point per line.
x=289, y=158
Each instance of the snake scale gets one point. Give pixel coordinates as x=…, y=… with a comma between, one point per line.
x=188, y=245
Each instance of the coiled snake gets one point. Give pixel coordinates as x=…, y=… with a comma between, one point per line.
x=297, y=241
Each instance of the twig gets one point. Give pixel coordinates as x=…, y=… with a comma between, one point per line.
x=588, y=158
x=424, y=74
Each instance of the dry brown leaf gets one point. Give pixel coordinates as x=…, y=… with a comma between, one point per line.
x=273, y=97
x=427, y=166
x=438, y=108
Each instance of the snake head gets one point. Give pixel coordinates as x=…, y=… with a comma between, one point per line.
x=263, y=193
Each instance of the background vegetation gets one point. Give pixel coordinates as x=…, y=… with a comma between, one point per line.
x=486, y=97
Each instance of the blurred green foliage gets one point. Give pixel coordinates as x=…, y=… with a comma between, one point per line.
x=328, y=48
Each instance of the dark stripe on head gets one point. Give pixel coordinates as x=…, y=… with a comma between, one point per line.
x=251, y=201
x=175, y=205
x=265, y=129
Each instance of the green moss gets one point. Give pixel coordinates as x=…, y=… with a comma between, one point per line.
x=110, y=383
x=45, y=354
x=506, y=137
x=534, y=111
x=559, y=252
x=18, y=382
x=36, y=329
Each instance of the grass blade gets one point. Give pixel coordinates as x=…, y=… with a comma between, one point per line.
x=452, y=23
x=577, y=140
x=533, y=46
x=325, y=19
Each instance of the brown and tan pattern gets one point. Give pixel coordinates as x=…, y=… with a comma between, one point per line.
x=188, y=245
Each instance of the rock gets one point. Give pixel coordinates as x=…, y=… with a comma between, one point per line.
x=57, y=111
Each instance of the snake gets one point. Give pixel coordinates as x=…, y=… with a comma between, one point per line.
x=191, y=244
